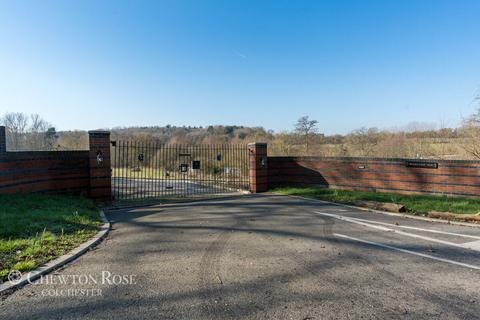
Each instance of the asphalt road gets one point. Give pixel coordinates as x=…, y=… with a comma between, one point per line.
x=264, y=257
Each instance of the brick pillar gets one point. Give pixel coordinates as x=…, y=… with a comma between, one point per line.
x=3, y=140
x=100, y=173
x=257, y=167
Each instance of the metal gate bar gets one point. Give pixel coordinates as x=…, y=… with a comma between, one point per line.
x=150, y=170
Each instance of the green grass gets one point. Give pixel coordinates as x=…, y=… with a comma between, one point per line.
x=417, y=204
x=37, y=228
x=156, y=173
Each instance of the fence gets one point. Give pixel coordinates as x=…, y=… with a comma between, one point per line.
x=151, y=170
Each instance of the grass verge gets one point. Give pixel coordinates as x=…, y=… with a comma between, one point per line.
x=37, y=228
x=416, y=204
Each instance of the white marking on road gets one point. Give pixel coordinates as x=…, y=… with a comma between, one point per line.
x=474, y=245
x=408, y=251
x=412, y=235
x=419, y=229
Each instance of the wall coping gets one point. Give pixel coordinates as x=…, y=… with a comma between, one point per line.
x=257, y=144
x=99, y=132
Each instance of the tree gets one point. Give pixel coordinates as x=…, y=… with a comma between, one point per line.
x=28, y=132
x=16, y=125
x=471, y=132
x=50, y=138
x=306, y=128
x=228, y=130
x=364, y=140
x=282, y=144
x=36, y=134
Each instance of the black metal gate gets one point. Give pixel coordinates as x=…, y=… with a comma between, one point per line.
x=143, y=170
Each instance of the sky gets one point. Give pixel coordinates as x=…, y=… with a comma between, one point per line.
x=348, y=64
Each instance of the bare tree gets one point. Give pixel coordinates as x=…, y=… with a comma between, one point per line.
x=282, y=144
x=471, y=132
x=306, y=128
x=37, y=134
x=28, y=132
x=16, y=124
x=364, y=140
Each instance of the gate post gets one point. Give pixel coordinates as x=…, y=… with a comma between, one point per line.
x=257, y=167
x=3, y=140
x=99, y=160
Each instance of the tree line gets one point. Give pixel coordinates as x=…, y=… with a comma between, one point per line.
x=31, y=132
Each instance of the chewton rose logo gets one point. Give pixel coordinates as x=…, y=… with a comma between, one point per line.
x=14, y=276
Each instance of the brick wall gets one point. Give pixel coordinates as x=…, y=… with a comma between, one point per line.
x=375, y=174
x=79, y=172
x=44, y=171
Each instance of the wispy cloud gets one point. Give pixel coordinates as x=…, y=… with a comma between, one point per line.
x=239, y=54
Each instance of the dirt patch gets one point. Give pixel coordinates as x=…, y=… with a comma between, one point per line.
x=454, y=216
x=385, y=206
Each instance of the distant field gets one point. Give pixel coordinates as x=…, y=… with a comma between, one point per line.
x=155, y=173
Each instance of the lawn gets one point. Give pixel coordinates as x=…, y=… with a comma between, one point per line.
x=416, y=204
x=37, y=228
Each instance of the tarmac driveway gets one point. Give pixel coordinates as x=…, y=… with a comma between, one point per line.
x=263, y=257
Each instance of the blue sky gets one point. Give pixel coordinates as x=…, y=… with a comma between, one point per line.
x=348, y=64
